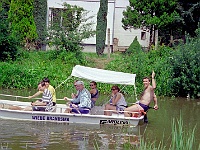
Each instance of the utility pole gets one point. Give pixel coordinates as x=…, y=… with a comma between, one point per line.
x=108, y=43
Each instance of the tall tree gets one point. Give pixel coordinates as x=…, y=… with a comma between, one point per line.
x=8, y=43
x=189, y=11
x=150, y=14
x=22, y=21
x=40, y=17
x=101, y=27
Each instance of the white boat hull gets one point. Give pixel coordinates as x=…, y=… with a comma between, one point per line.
x=59, y=116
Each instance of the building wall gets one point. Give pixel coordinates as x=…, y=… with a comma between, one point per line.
x=114, y=17
x=125, y=37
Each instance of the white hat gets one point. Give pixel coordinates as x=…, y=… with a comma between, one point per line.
x=80, y=82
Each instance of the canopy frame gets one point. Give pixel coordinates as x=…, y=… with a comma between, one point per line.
x=102, y=76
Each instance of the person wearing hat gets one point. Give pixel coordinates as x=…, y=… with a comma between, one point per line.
x=83, y=98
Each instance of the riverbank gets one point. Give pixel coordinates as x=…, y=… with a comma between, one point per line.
x=175, y=76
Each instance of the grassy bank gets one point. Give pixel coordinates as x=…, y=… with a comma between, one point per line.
x=177, y=70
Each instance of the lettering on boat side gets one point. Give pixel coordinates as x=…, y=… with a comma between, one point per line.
x=113, y=122
x=40, y=117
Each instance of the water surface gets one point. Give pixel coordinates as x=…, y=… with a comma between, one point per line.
x=42, y=135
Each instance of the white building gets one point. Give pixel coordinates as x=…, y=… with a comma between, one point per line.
x=115, y=8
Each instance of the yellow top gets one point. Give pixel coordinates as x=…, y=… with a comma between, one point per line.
x=53, y=92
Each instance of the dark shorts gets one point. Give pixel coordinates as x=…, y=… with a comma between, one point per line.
x=80, y=110
x=37, y=108
x=145, y=107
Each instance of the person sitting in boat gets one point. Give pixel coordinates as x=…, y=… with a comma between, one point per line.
x=50, y=88
x=117, y=102
x=44, y=104
x=9, y=106
x=84, y=98
x=145, y=99
x=94, y=93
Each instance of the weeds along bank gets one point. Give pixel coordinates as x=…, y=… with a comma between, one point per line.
x=177, y=70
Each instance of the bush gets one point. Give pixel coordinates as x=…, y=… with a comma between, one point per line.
x=186, y=71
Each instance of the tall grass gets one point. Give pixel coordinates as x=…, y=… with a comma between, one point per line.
x=181, y=139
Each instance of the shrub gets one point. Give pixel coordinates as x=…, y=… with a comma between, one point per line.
x=186, y=71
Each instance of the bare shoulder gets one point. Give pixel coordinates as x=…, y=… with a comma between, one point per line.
x=151, y=88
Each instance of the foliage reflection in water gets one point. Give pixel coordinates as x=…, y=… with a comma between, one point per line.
x=43, y=135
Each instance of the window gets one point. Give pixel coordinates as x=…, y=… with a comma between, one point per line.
x=143, y=35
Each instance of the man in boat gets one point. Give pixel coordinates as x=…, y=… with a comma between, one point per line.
x=44, y=104
x=50, y=88
x=83, y=98
x=146, y=97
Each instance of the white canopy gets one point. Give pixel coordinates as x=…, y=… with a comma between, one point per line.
x=103, y=76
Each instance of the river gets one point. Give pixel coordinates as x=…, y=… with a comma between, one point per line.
x=15, y=135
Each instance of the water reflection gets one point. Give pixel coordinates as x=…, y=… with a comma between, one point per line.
x=38, y=135
x=43, y=135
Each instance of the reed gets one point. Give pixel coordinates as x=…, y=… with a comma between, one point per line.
x=180, y=139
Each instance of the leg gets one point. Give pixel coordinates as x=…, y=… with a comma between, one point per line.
x=68, y=110
x=15, y=107
x=133, y=108
x=145, y=118
x=109, y=107
x=28, y=108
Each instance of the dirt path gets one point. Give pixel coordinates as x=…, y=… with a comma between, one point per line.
x=99, y=62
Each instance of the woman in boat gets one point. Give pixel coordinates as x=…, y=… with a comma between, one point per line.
x=117, y=102
x=94, y=93
x=83, y=98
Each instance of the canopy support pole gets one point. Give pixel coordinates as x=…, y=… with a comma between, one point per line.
x=135, y=93
x=63, y=82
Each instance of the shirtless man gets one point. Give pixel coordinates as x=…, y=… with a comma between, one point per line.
x=146, y=97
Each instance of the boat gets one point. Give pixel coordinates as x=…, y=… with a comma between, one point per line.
x=58, y=115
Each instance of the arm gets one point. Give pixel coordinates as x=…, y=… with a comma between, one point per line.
x=155, y=102
x=35, y=95
x=39, y=103
x=116, y=99
x=153, y=80
x=68, y=99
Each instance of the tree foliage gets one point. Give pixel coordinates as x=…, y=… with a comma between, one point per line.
x=68, y=27
x=22, y=21
x=153, y=15
x=147, y=13
x=170, y=17
x=189, y=12
x=101, y=27
x=185, y=68
x=40, y=16
x=8, y=44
